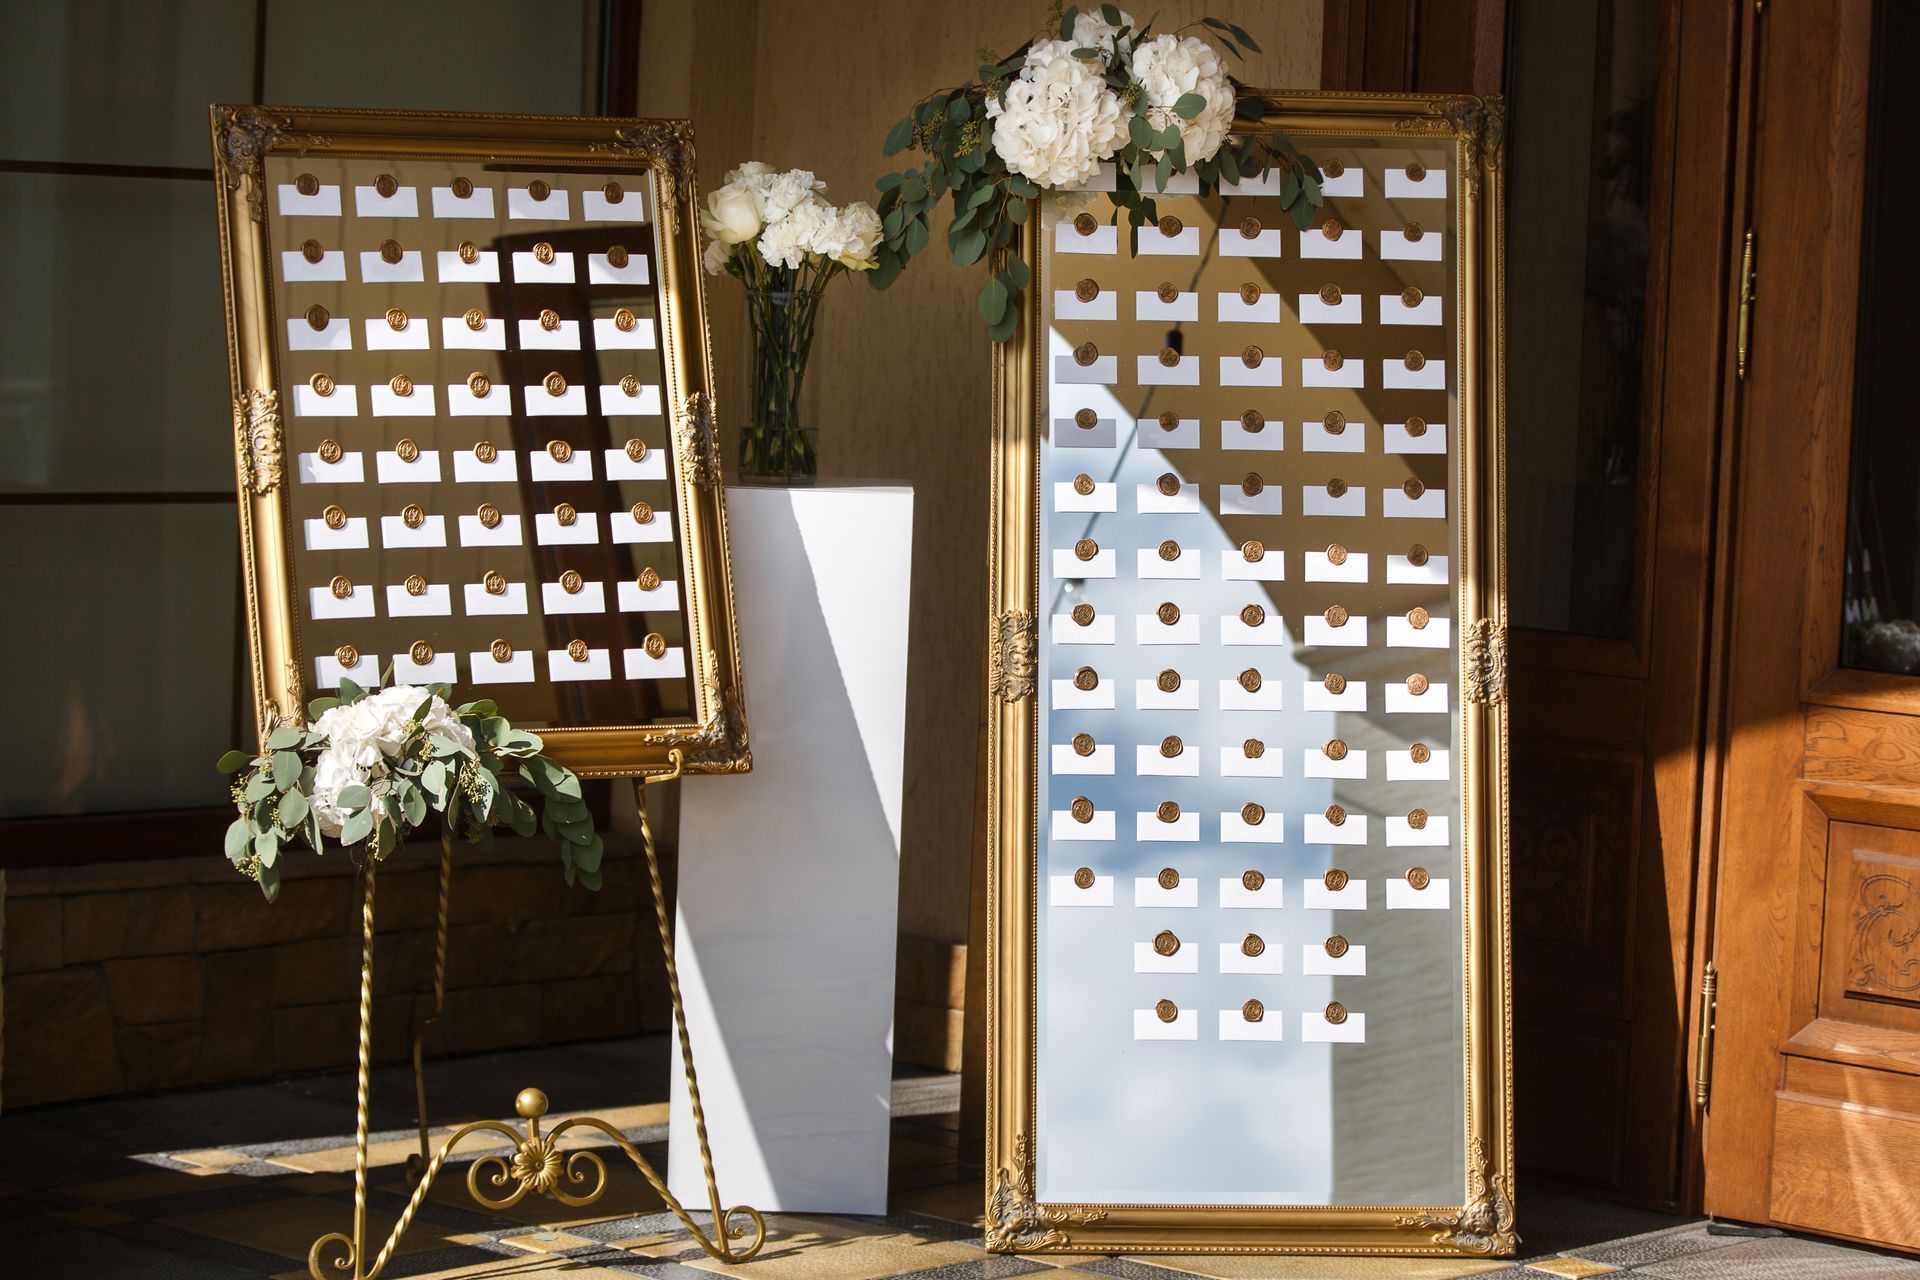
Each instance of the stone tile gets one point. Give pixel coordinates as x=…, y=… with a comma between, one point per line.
x=1656, y=1246
x=391, y=1153
x=810, y=1248
x=287, y=1228
x=1570, y=1268
x=1129, y=1269
x=988, y=1267
x=1254, y=1267
x=145, y=1185
x=71, y=1052
x=154, y=989
x=142, y=922
x=91, y=1215
x=546, y=1242
x=1552, y=1223
x=212, y=1158
x=575, y=1008
x=109, y=1258
x=32, y=935
x=1784, y=1258
x=161, y=1056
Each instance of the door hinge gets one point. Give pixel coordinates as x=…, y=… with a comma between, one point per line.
x=1744, y=326
x=1703, y=1057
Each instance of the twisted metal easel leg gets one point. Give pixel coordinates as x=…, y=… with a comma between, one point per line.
x=417, y=1164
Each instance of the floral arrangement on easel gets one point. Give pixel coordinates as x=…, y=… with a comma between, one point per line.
x=1049, y=114
x=371, y=765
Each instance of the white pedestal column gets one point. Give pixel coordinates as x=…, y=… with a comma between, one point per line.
x=789, y=875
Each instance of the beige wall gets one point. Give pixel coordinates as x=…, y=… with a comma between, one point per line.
x=900, y=378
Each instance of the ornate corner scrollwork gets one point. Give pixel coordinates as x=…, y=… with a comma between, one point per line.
x=1479, y=123
x=667, y=147
x=1015, y=1222
x=1484, y=650
x=719, y=745
x=1013, y=655
x=246, y=135
x=256, y=425
x=1485, y=1222
x=695, y=442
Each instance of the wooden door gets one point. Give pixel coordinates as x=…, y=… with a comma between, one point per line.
x=1815, y=1104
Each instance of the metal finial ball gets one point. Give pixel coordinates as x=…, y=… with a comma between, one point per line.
x=531, y=1104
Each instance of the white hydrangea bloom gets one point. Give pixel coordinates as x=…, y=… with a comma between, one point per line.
x=1059, y=120
x=1090, y=29
x=1167, y=68
x=361, y=738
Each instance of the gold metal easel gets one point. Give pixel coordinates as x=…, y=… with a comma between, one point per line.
x=575, y=1178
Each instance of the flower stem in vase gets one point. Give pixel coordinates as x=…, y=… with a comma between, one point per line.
x=774, y=444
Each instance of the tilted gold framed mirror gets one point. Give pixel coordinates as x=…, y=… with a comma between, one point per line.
x=1249, y=984
x=473, y=423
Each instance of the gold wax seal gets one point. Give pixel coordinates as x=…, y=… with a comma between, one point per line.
x=307, y=185
x=1334, y=422
x=1249, y=228
x=1418, y=618
x=322, y=384
x=559, y=450
x=1335, y=880
x=566, y=514
x=1336, y=1012
x=407, y=450
x=1169, y=225
x=649, y=579
x=1168, y=681
x=1169, y=420
x=1249, y=293
x=1253, y=1011
x=1416, y=426
x=476, y=319
x=1083, y=744
x=341, y=587
x=1253, y=749
x=1168, y=811
x=317, y=317
x=330, y=451
x=539, y=189
x=336, y=517
x=478, y=384
x=1417, y=684
x=386, y=186
x=1415, y=231
x=1420, y=753
x=1086, y=679
x=1336, y=615
x=1085, y=418
x=1417, y=878
x=1252, y=356
x=1166, y=942
x=655, y=645
x=462, y=187
x=1169, y=357
x=1335, y=683
x=1167, y=291
x=1082, y=614
x=391, y=252
x=1417, y=819
x=1336, y=946
x=1335, y=749
x=1253, y=551
x=415, y=585
x=1416, y=361
x=1168, y=878
x=400, y=384
x=613, y=192
x=1086, y=224
x=421, y=652
x=1168, y=612
x=1336, y=816
x=412, y=515
x=1251, y=484
x=1253, y=945
x=1333, y=168
x=577, y=650
x=347, y=656
x=555, y=384
x=1169, y=550
x=469, y=252
x=312, y=251
x=500, y=650
x=1166, y=1010
x=1086, y=353
x=485, y=451
x=1330, y=294
x=1413, y=488
x=494, y=583
x=1411, y=296
x=396, y=319
x=1332, y=359
x=1083, y=484
x=629, y=384
x=1252, y=814
x=1416, y=172
x=636, y=450
x=1336, y=554
x=1416, y=555
x=1087, y=290
x=1336, y=488
x=624, y=320
x=1253, y=615
x=1085, y=549
x=617, y=257
x=489, y=515
x=642, y=512
x=549, y=319
x=1250, y=680
x=1081, y=809
x=1168, y=484
x=1171, y=746
x=571, y=582
x=1083, y=878
x=543, y=253
x=1251, y=881
x=1332, y=229
x=1253, y=421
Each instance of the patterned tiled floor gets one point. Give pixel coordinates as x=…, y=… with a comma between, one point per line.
x=236, y=1183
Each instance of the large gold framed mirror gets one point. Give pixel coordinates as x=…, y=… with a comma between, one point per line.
x=1249, y=983
x=473, y=423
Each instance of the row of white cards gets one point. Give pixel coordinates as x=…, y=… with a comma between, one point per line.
x=1314, y=1027
x=1397, y=183
x=1235, y=896
x=1392, y=244
x=1437, y=633
x=1271, y=567
x=1232, y=500
x=1396, y=374
x=548, y=531
x=1148, y=762
x=517, y=668
x=1231, y=308
x=1150, y=565
x=420, y=401
x=1314, y=696
x=391, y=468
x=458, y=335
x=405, y=203
x=1184, y=433
x=436, y=600
x=451, y=268
x=1148, y=828
x=1314, y=960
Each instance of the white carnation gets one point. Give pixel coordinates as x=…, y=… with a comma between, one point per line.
x=851, y=237
x=1059, y=120
x=1092, y=30
x=786, y=192
x=1167, y=68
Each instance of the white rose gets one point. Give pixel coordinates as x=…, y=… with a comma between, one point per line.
x=1167, y=68
x=1059, y=119
x=1090, y=30
x=789, y=239
x=851, y=237
x=732, y=214
x=715, y=257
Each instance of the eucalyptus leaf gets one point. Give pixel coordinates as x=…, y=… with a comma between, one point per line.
x=239, y=837
x=590, y=880
x=1017, y=212
x=357, y=827
x=270, y=882
x=1018, y=271
x=355, y=797
x=350, y=692
x=1188, y=105
x=899, y=136
x=968, y=248
x=286, y=769
x=293, y=809
x=259, y=786
x=916, y=235
x=434, y=777
x=587, y=857
x=233, y=762
x=993, y=301
x=414, y=806
x=320, y=706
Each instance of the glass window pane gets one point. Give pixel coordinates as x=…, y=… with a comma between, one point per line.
x=1582, y=81
x=120, y=81
x=112, y=355
x=430, y=55
x=127, y=666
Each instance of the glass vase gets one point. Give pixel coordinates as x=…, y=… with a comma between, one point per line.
x=775, y=446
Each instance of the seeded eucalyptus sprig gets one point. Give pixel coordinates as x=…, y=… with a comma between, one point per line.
x=989, y=202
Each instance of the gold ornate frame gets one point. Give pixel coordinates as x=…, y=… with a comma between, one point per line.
x=658, y=156
x=1481, y=1223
